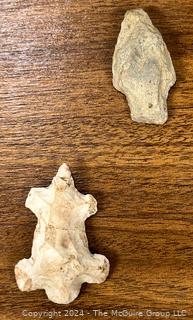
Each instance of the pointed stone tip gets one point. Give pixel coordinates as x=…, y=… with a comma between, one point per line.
x=138, y=12
x=64, y=172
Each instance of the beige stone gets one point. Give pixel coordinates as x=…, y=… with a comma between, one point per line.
x=60, y=259
x=142, y=68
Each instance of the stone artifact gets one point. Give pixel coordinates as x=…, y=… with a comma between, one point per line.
x=60, y=259
x=142, y=68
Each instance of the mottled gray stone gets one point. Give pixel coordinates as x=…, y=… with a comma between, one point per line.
x=142, y=68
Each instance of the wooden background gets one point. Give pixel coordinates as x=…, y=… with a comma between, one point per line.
x=57, y=104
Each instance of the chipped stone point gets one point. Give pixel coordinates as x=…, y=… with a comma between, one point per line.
x=142, y=68
x=60, y=259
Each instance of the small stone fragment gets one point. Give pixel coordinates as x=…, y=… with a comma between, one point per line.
x=142, y=68
x=60, y=260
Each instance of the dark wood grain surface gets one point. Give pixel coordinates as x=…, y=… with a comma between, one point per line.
x=57, y=104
